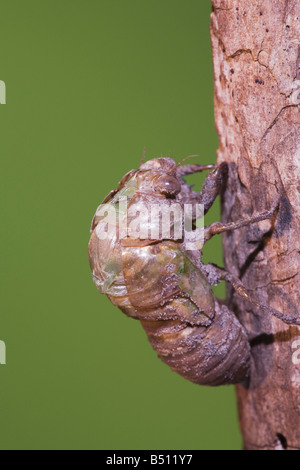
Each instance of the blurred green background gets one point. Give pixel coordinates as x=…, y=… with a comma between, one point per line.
x=89, y=84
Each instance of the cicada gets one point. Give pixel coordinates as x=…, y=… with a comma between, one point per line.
x=155, y=274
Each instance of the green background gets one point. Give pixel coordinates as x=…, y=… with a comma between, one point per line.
x=89, y=84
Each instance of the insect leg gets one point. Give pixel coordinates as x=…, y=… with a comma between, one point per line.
x=191, y=169
x=215, y=274
x=218, y=227
x=212, y=186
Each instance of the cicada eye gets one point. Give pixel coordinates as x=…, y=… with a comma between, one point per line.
x=168, y=185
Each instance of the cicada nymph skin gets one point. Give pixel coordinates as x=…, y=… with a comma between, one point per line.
x=162, y=283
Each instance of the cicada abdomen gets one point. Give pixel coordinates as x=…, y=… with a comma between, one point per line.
x=191, y=332
x=154, y=281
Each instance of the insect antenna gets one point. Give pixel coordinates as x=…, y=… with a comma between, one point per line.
x=186, y=158
x=143, y=156
x=174, y=168
x=189, y=169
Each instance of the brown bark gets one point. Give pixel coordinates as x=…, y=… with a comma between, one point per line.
x=256, y=50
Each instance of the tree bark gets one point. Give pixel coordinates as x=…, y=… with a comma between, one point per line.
x=256, y=52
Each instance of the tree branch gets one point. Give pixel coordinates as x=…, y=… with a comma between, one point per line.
x=256, y=52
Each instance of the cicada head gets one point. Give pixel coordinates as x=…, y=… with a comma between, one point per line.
x=158, y=176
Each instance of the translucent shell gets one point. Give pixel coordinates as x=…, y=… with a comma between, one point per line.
x=163, y=283
x=105, y=252
x=154, y=281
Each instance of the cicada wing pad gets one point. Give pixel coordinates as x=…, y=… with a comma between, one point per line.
x=126, y=189
x=163, y=284
x=105, y=251
x=106, y=265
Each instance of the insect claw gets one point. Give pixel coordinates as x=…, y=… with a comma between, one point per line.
x=241, y=290
x=275, y=207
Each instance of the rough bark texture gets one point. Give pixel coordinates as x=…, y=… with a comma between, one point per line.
x=256, y=50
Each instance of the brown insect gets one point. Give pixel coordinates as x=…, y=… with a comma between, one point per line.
x=162, y=282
